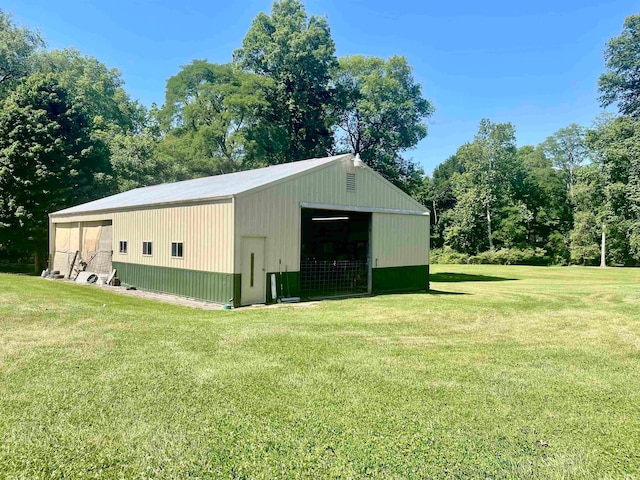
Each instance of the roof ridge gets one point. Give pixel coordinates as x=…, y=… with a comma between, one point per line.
x=201, y=188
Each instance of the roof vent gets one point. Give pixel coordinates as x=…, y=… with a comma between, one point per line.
x=357, y=161
x=351, y=181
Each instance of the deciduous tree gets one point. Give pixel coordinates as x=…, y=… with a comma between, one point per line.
x=211, y=117
x=612, y=188
x=96, y=89
x=48, y=161
x=621, y=82
x=382, y=115
x=567, y=150
x=490, y=168
x=543, y=190
x=17, y=46
x=296, y=52
x=437, y=193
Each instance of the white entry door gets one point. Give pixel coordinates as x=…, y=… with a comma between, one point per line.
x=253, y=273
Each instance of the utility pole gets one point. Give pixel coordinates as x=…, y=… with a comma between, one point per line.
x=603, y=260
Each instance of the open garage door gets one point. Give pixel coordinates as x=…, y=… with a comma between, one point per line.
x=67, y=236
x=89, y=242
x=97, y=246
x=334, y=250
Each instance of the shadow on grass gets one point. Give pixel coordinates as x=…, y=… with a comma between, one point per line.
x=431, y=291
x=442, y=292
x=464, y=277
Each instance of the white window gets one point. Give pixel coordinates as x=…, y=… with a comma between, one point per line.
x=146, y=248
x=123, y=246
x=177, y=250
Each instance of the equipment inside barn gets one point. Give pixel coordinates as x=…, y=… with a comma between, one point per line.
x=334, y=253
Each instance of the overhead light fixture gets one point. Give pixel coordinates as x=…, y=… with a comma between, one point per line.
x=328, y=219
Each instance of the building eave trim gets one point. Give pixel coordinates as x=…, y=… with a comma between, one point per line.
x=354, y=208
x=178, y=203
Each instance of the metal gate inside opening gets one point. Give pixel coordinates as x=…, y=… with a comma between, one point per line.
x=334, y=258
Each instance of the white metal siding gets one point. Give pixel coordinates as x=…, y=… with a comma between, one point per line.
x=205, y=230
x=399, y=240
x=274, y=212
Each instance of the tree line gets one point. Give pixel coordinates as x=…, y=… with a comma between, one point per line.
x=70, y=133
x=556, y=202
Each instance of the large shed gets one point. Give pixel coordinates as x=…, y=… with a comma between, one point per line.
x=313, y=229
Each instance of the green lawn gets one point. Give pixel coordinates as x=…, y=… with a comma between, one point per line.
x=502, y=372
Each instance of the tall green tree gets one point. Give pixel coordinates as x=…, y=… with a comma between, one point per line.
x=621, y=82
x=610, y=193
x=382, y=115
x=437, y=193
x=211, y=117
x=135, y=163
x=467, y=230
x=17, y=46
x=588, y=215
x=115, y=119
x=48, y=161
x=98, y=90
x=296, y=52
x=490, y=170
x=134, y=156
x=542, y=189
x=567, y=150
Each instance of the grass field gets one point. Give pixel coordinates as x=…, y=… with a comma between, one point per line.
x=502, y=372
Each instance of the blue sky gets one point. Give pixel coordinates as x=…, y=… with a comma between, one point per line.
x=535, y=64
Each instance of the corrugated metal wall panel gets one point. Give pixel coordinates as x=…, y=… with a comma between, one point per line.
x=399, y=240
x=400, y=279
x=274, y=212
x=212, y=286
x=206, y=232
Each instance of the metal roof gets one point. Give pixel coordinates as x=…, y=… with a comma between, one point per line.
x=201, y=188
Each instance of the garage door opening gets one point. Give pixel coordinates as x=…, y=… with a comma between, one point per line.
x=334, y=258
x=83, y=246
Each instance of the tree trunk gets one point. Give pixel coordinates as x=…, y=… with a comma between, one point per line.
x=571, y=177
x=435, y=213
x=490, y=234
x=36, y=262
x=603, y=249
